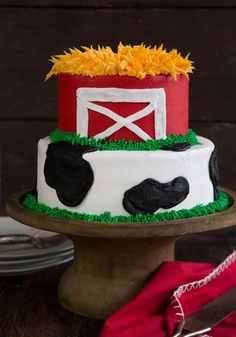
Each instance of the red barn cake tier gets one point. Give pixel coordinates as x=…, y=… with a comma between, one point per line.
x=138, y=93
x=123, y=107
x=123, y=146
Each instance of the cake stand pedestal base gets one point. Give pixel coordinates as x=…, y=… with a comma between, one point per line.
x=113, y=261
x=107, y=273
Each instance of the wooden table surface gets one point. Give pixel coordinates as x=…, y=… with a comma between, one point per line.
x=29, y=307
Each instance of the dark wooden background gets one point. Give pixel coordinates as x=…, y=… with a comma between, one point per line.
x=33, y=30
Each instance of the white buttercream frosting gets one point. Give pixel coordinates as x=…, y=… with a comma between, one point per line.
x=117, y=171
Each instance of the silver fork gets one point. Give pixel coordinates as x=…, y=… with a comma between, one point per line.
x=38, y=242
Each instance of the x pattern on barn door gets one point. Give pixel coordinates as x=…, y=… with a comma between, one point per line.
x=155, y=98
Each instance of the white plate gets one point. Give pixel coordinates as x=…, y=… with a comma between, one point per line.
x=33, y=265
x=23, y=258
x=20, y=251
x=34, y=268
x=11, y=226
x=12, y=262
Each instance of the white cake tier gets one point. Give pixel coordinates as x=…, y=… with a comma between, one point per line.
x=115, y=172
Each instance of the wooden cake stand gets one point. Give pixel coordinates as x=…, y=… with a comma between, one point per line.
x=113, y=261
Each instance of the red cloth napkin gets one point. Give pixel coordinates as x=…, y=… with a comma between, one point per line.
x=177, y=290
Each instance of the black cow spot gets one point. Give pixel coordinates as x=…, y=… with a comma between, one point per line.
x=150, y=195
x=177, y=147
x=67, y=172
x=214, y=172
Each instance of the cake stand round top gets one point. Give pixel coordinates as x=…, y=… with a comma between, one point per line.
x=118, y=230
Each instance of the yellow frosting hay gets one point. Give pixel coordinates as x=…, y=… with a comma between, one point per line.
x=137, y=61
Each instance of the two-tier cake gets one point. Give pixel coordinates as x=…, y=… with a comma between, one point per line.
x=123, y=150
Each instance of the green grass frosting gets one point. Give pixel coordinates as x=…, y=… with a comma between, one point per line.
x=221, y=204
x=127, y=145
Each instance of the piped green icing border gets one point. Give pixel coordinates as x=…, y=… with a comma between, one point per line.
x=222, y=203
x=113, y=145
